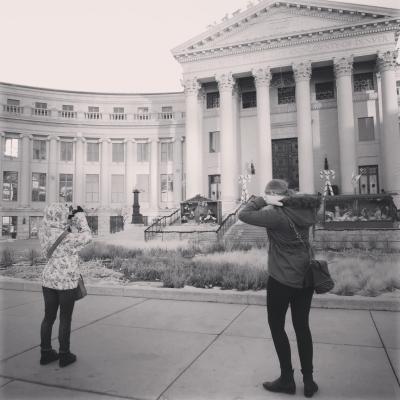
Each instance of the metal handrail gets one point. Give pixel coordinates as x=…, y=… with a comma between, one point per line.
x=159, y=223
x=229, y=220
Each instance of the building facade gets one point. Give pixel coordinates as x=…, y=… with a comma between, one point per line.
x=270, y=91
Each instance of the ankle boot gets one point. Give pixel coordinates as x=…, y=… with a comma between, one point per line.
x=66, y=359
x=284, y=384
x=48, y=356
x=310, y=387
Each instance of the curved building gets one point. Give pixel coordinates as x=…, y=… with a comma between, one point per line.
x=270, y=91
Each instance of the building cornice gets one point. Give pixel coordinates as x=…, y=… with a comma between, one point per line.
x=319, y=35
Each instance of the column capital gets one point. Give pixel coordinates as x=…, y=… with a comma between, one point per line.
x=262, y=76
x=302, y=71
x=27, y=136
x=343, y=66
x=52, y=137
x=191, y=85
x=225, y=81
x=386, y=61
x=105, y=140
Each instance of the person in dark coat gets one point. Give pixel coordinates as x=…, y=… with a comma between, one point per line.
x=283, y=213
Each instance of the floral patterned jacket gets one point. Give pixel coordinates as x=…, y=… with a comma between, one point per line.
x=62, y=269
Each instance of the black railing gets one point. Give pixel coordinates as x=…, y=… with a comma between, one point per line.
x=229, y=220
x=161, y=222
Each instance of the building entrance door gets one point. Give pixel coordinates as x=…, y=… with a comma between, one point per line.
x=285, y=161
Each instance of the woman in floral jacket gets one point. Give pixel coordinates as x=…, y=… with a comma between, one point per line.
x=60, y=277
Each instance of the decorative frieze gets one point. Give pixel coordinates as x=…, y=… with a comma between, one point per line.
x=191, y=85
x=302, y=71
x=343, y=66
x=262, y=76
x=225, y=81
x=387, y=61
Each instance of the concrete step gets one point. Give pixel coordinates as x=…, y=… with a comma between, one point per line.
x=241, y=233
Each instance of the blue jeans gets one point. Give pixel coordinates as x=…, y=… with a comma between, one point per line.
x=54, y=299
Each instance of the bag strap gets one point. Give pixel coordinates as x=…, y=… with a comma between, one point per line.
x=299, y=237
x=56, y=243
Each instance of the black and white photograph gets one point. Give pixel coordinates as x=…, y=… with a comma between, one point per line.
x=200, y=200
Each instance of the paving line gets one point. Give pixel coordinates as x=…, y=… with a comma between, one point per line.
x=161, y=396
x=386, y=351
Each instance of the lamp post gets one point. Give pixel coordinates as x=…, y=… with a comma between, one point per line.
x=137, y=218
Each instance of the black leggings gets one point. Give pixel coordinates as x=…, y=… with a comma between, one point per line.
x=279, y=297
x=65, y=299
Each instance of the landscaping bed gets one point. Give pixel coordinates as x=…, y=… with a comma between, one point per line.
x=241, y=267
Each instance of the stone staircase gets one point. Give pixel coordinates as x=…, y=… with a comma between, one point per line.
x=241, y=233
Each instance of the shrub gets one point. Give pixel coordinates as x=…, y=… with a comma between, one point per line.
x=34, y=257
x=7, y=258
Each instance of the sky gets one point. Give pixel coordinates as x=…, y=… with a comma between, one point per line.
x=106, y=45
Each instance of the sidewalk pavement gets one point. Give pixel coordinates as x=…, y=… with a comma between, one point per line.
x=143, y=348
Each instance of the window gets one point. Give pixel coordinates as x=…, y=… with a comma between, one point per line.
x=92, y=109
x=13, y=106
x=366, y=129
x=41, y=109
x=166, y=112
x=38, y=186
x=143, y=113
x=398, y=87
x=118, y=113
x=66, y=151
x=66, y=191
x=369, y=179
x=119, y=110
x=10, y=186
x=117, y=152
x=34, y=223
x=249, y=99
x=9, y=226
x=167, y=152
x=93, y=113
x=214, y=142
x=324, y=91
x=364, y=81
x=92, y=188
x=167, y=187
x=92, y=152
x=213, y=100
x=39, y=149
x=143, y=152
x=286, y=95
x=93, y=222
x=117, y=189
x=214, y=187
x=68, y=111
x=116, y=224
x=11, y=147
x=142, y=184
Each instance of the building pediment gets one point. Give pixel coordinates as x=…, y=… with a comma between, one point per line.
x=270, y=22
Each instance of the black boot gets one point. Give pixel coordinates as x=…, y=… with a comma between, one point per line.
x=310, y=387
x=66, y=359
x=284, y=384
x=48, y=356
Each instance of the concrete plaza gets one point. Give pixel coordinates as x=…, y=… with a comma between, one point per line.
x=139, y=348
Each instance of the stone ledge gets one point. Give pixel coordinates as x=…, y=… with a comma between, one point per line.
x=380, y=303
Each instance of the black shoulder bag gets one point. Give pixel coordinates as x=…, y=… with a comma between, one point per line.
x=317, y=274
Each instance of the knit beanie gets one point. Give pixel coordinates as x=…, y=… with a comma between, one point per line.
x=277, y=186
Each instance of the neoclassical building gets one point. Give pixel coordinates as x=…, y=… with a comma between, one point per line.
x=270, y=91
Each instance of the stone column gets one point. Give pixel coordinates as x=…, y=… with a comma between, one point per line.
x=129, y=171
x=52, y=171
x=229, y=182
x=104, y=175
x=194, y=148
x=178, y=166
x=302, y=75
x=154, y=175
x=262, y=79
x=79, y=192
x=347, y=142
x=390, y=134
x=236, y=133
x=2, y=136
x=26, y=177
